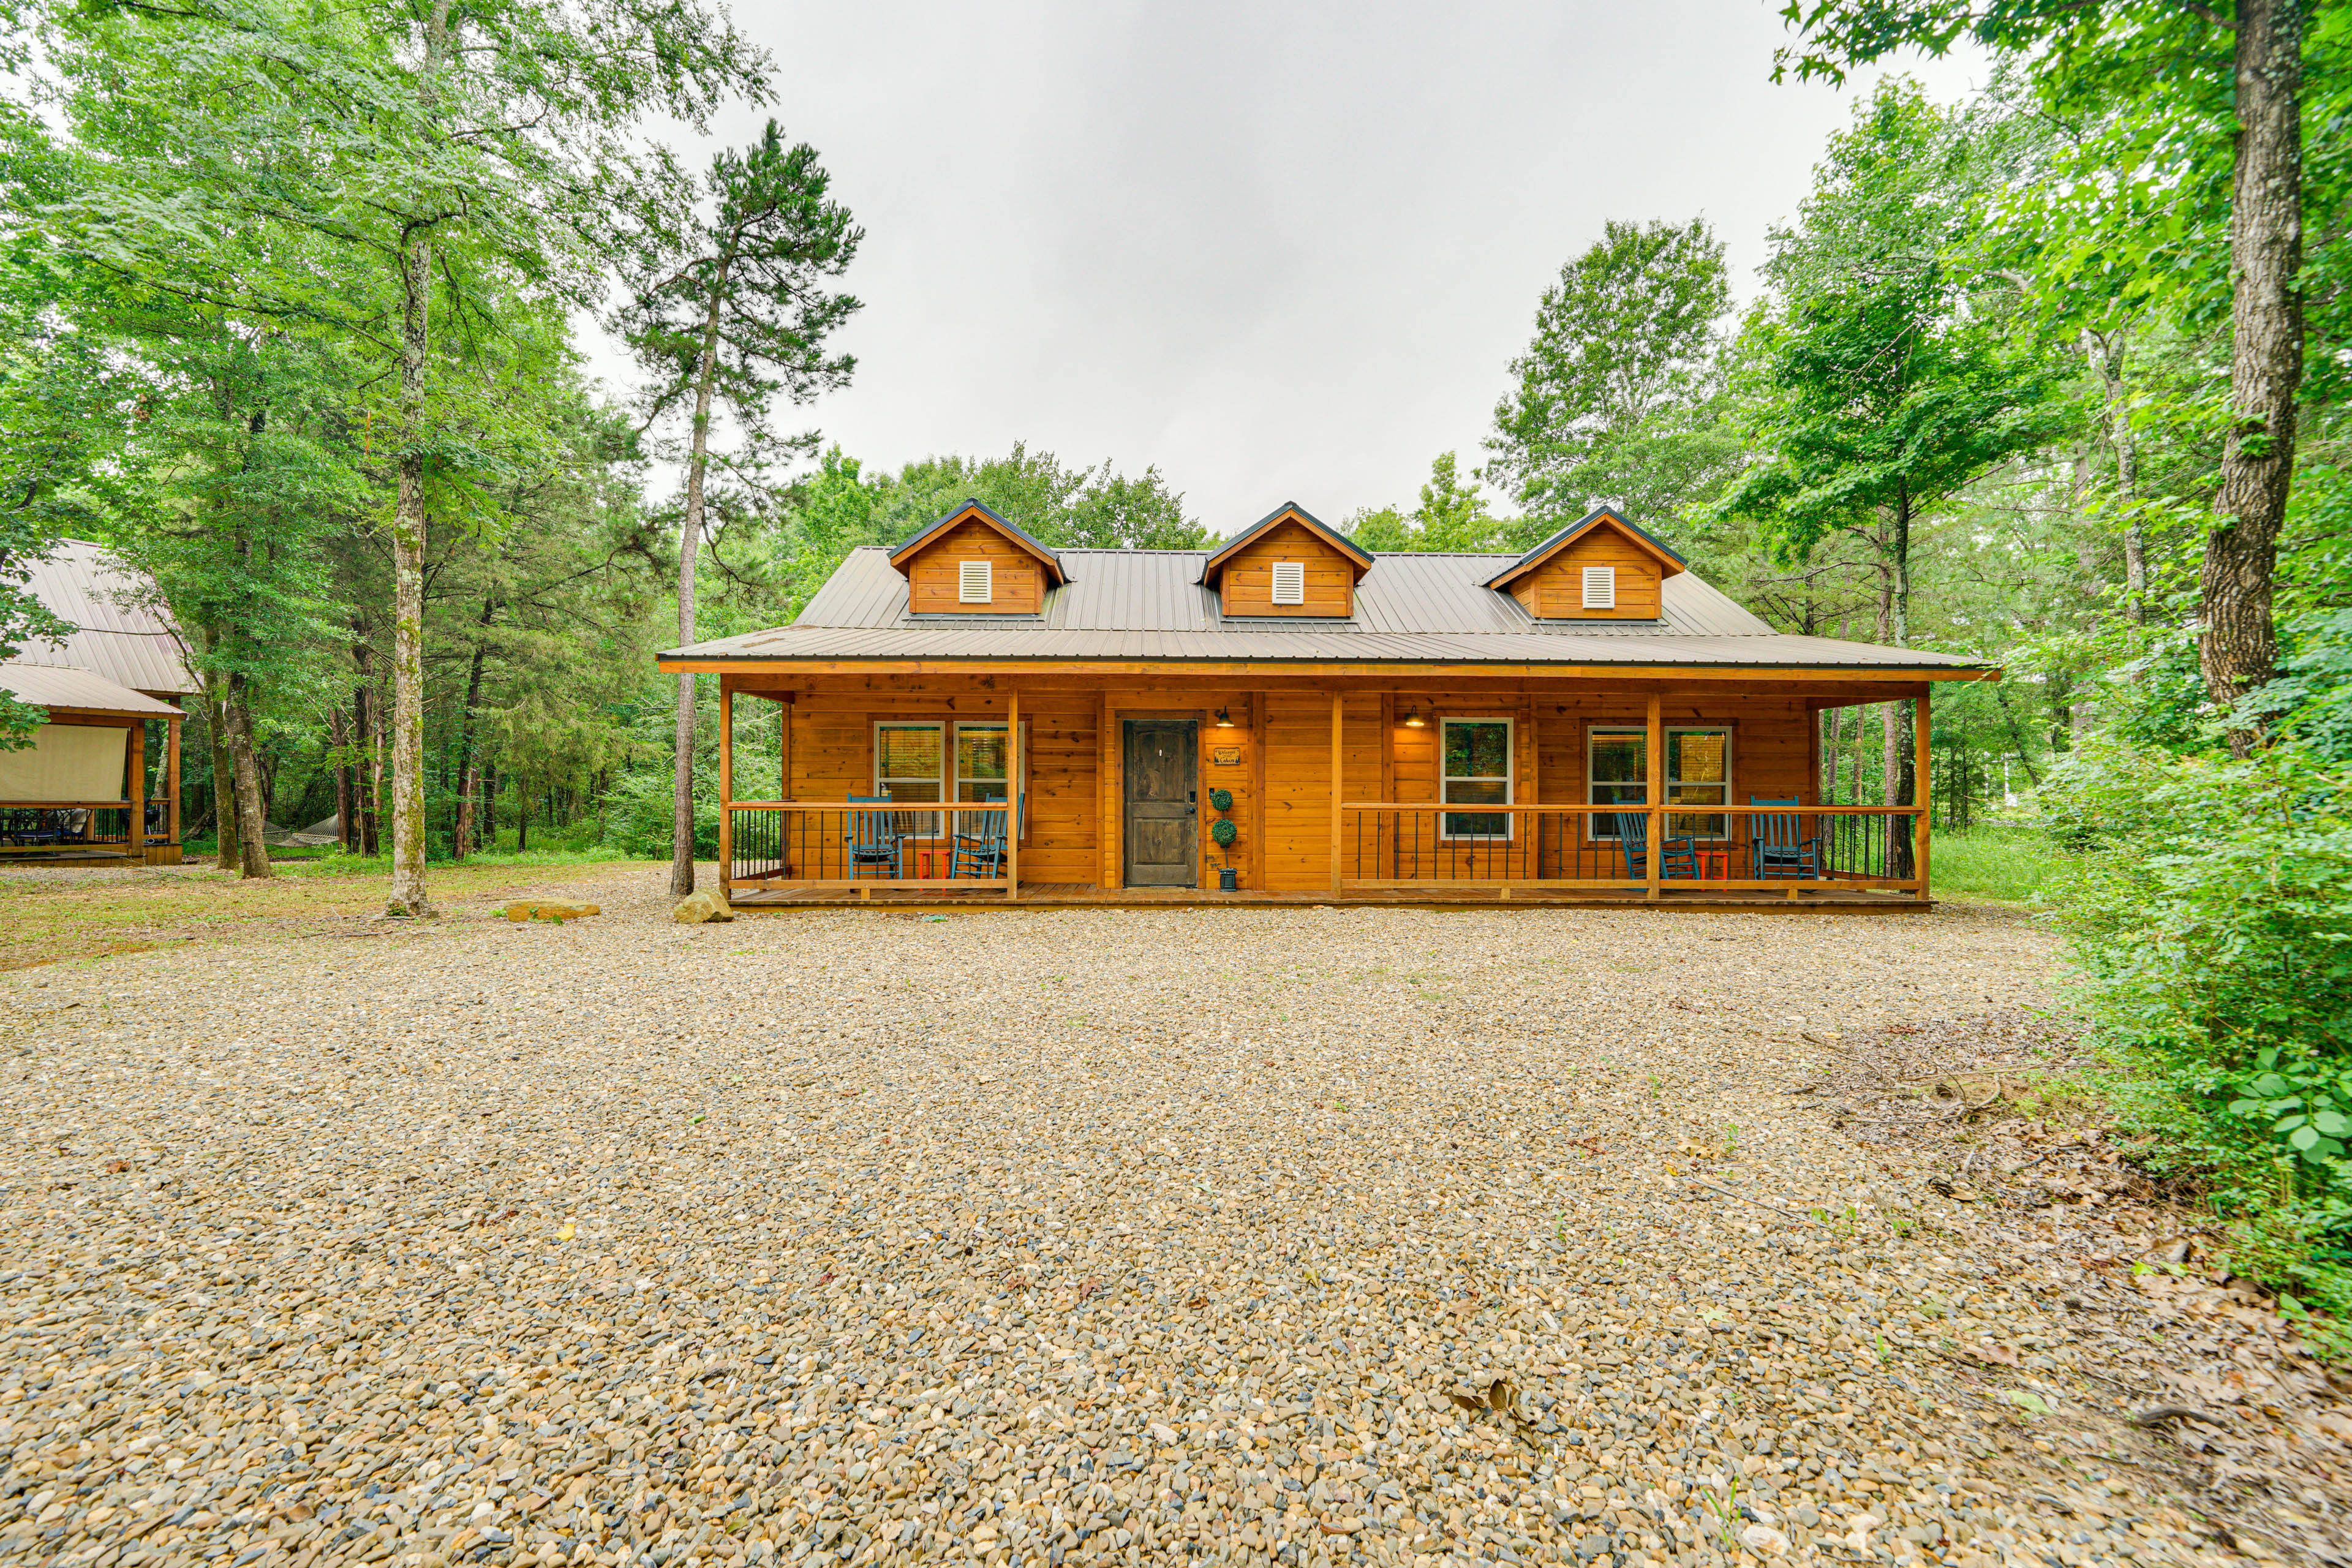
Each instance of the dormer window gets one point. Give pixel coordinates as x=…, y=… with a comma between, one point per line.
x=1599, y=568
x=1286, y=564
x=973, y=562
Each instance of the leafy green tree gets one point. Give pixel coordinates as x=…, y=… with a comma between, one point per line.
x=1878, y=380
x=240, y=475
x=1453, y=515
x=360, y=171
x=728, y=303
x=1111, y=512
x=2182, y=60
x=1615, y=397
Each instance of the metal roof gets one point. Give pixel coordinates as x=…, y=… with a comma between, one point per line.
x=1411, y=607
x=122, y=630
x=53, y=686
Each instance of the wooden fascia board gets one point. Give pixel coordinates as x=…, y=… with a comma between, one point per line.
x=1357, y=561
x=1303, y=671
x=970, y=512
x=1668, y=566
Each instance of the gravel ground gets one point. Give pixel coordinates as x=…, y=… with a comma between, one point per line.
x=1330, y=1235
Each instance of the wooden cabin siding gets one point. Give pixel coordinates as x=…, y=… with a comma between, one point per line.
x=1555, y=590
x=1017, y=583
x=1245, y=581
x=1281, y=771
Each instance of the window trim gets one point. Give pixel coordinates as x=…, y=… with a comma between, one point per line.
x=1274, y=582
x=1724, y=727
x=1510, y=779
x=946, y=765
x=987, y=578
x=950, y=783
x=1605, y=579
x=1028, y=767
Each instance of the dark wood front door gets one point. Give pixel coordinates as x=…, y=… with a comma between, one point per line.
x=1163, y=779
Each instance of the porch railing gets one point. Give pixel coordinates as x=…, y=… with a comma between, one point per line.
x=821, y=844
x=39, y=826
x=1787, y=849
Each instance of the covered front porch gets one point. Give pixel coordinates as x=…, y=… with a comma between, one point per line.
x=949, y=789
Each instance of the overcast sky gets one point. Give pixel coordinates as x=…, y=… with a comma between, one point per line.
x=1283, y=252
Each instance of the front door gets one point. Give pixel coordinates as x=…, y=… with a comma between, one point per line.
x=1163, y=778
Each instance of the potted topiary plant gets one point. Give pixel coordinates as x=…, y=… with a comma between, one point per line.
x=1223, y=831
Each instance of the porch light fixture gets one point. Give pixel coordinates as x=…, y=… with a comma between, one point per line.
x=1414, y=720
x=1224, y=719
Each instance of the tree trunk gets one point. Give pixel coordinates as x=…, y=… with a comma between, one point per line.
x=469, y=776
x=706, y=375
x=2116, y=415
x=522, y=820
x=339, y=732
x=253, y=851
x=225, y=840
x=469, y=783
x=2239, y=644
x=365, y=724
x=407, y=897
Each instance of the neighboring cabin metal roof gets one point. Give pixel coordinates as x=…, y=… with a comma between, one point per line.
x=53, y=686
x=124, y=633
x=1412, y=606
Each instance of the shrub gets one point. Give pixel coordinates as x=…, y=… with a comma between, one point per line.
x=2209, y=917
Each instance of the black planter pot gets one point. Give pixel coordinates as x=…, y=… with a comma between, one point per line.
x=1228, y=880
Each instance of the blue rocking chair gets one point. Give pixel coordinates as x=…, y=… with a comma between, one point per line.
x=979, y=843
x=876, y=847
x=1776, y=847
x=1680, y=858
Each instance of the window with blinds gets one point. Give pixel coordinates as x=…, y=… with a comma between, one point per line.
x=973, y=585
x=1290, y=582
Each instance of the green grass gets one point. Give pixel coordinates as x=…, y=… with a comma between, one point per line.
x=1993, y=860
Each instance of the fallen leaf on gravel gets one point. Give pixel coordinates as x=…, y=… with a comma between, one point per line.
x=1994, y=1355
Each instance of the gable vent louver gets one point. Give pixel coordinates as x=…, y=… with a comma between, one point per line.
x=1601, y=587
x=972, y=586
x=1290, y=582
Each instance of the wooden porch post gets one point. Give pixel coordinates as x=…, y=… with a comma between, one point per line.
x=1261, y=810
x=1110, y=810
x=1923, y=795
x=726, y=785
x=172, y=779
x=137, y=792
x=1338, y=707
x=1013, y=802
x=1654, y=791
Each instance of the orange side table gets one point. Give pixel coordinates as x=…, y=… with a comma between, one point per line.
x=1714, y=865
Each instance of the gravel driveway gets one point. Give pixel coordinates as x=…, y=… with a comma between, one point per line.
x=1331, y=1236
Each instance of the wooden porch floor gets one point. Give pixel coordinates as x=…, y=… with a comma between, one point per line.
x=1070, y=895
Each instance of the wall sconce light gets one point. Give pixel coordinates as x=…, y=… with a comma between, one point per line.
x=1224, y=719
x=1414, y=720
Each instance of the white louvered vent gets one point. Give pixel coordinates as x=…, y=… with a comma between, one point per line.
x=1601, y=587
x=973, y=585
x=1290, y=582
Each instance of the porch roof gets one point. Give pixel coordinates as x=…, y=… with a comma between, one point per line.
x=1411, y=608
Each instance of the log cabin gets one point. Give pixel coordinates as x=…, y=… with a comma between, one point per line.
x=975, y=716
x=100, y=780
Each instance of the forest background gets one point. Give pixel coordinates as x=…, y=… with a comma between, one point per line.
x=293, y=303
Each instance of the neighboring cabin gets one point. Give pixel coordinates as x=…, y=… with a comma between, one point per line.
x=1419, y=725
x=112, y=737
